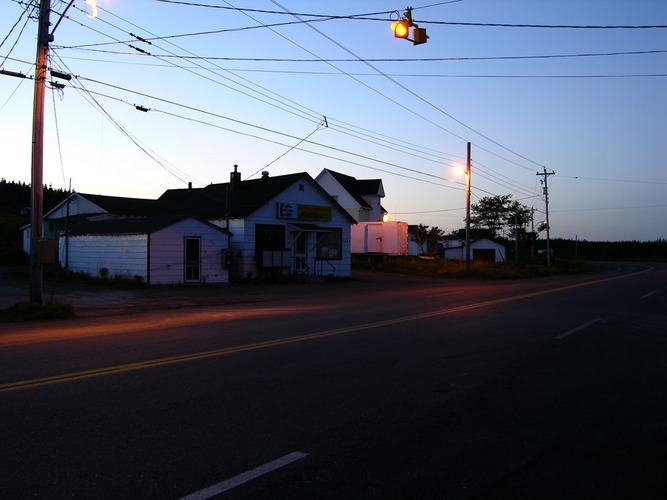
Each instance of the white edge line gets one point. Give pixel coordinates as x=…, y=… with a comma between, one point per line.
x=244, y=477
x=577, y=329
x=647, y=295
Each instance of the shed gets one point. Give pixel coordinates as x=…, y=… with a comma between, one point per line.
x=160, y=250
x=481, y=250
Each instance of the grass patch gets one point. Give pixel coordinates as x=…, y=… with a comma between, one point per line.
x=25, y=311
x=454, y=269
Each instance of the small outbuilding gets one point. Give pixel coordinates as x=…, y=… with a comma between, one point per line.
x=160, y=250
x=481, y=250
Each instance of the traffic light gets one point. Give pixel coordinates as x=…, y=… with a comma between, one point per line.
x=419, y=35
x=401, y=28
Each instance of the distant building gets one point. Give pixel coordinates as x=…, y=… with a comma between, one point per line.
x=481, y=249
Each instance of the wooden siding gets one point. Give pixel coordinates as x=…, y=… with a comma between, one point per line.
x=244, y=241
x=126, y=255
x=167, y=258
x=123, y=255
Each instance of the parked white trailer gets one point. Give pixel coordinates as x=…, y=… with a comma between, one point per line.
x=387, y=238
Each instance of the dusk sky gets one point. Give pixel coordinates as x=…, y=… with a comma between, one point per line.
x=576, y=87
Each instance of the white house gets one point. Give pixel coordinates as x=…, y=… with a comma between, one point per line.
x=281, y=225
x=80, y=206
x=361, y=198
x=161, y=250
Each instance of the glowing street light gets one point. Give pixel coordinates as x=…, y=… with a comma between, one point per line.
x=93, y=8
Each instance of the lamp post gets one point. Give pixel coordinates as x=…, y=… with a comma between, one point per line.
x=468, y=210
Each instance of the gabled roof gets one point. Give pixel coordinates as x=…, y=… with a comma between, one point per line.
x=236, y=201
x=217, y=200
x=116, y=205
x=119, y=205
x=130, y=225
x=358, y=188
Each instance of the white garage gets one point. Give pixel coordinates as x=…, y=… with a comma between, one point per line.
x=163, y=250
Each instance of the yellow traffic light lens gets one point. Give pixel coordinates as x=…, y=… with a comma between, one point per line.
x=400, y=29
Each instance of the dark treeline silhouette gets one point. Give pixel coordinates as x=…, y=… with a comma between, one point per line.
x=651, y=251
x=15, y=212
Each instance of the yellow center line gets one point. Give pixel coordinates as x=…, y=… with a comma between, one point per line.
x=141, y=365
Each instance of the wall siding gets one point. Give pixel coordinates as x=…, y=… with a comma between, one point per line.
x=167, y=259
x=126, y=255
x=123, y=256
x=311, y=195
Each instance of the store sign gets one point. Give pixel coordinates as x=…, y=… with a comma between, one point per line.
x=286, y=211
x=313, y=212
x=304, y=212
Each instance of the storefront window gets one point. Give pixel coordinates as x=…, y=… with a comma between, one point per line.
x=268, y=237
x=330, y=245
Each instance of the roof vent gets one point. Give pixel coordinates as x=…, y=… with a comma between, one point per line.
x=265, y=175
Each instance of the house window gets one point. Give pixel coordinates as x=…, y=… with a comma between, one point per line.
x=302, y=187
x=330, y=245
x=268, y=237
x=192, y=259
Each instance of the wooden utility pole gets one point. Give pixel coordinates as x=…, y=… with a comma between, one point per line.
x=37, y=178
x=468, y=210
x=546, y=175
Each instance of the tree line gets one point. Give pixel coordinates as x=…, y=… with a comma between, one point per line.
x=15, y=212
x=511, y=223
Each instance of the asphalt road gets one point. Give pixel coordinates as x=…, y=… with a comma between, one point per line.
x=388, y=388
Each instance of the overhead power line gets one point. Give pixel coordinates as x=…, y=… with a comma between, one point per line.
x=341, y=127
x=372, y=60
x=153, y=49
x=366, y=17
